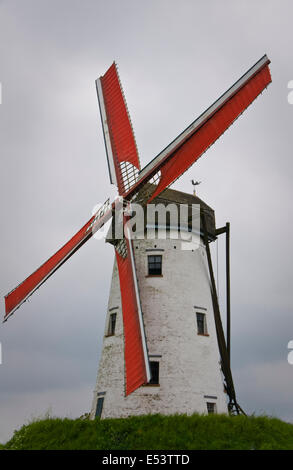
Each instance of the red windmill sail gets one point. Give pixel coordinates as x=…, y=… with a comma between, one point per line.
x=20, y=294
x=137, y=370
x=122, y=155
x=180, y=154
x=123, y=163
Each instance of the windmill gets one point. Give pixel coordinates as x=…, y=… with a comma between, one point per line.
x=143, y=186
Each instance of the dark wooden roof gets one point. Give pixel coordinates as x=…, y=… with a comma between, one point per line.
x=178, y=197
x=172, y=196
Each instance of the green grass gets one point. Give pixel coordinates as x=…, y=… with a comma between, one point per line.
x=155, y=432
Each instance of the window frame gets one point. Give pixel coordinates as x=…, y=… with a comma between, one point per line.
x=205, y=329
x=154, y=263
x=214, y=407
x=99, y=407
x=110, y=330
x=157, y=373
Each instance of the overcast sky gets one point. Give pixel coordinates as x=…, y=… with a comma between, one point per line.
x=175, y=58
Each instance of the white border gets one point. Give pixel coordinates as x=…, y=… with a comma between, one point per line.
x=142, y=331
x=106, y=132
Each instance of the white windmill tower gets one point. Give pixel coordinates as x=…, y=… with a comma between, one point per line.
x=179, y=327
x=164, y=347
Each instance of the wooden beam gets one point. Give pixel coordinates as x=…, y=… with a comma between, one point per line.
x=233, y=406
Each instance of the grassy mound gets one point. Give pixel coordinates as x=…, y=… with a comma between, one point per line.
x=154, y=432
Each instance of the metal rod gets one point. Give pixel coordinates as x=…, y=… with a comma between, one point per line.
x=225, y=362
x=228, y=326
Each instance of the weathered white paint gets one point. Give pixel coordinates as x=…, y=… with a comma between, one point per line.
x=189, y=363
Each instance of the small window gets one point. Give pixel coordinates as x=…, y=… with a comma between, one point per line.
x=99, y=408
x=155, y=265
x=201, y=324
x=211, y=407
x=154, y=366
x=112, y=324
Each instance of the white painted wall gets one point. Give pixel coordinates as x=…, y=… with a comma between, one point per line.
x=189, y=363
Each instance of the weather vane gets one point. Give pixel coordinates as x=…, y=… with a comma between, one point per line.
x=194, y=183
